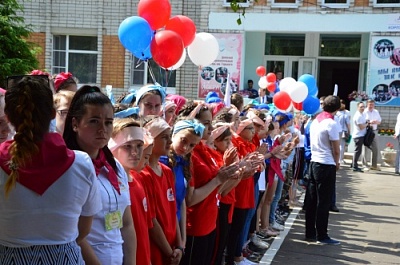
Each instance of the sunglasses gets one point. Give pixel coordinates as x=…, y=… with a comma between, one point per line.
x=13, y=80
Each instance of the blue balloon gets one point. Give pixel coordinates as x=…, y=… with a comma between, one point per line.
x=311, y=105
x=310, y=82
x=135, y=34
x=145, y=55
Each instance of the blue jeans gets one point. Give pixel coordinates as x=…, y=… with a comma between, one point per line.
x=249, y=217
x=396, y=167
x=274, y=204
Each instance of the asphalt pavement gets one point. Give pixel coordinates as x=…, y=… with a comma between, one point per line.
x=368, y=224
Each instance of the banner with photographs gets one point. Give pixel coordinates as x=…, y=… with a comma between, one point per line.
x=384, y=70
x=214, y=77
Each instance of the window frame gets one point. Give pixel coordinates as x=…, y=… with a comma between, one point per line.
x=247, y=3
x=376, y=4
x=333, y=5
x=68, y=51
x=295, y=4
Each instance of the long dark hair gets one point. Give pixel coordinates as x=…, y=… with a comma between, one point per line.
x=29, y=107
x=86, y=95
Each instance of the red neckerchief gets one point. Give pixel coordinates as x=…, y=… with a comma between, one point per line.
x=274, y=166
x=53, y=159
x=323, y=116
x=101, y=162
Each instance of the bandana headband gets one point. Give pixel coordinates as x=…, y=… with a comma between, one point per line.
x=196, y=110
x=243, y=124
x=219, y=130
x=189, y=124
x=145, y=89
x=252, y=116
x=126, y=135
x=157, y=126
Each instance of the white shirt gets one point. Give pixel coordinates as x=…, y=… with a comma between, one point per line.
x=28, y=219
x=321, y=135
x=397, y=127
x=359, y=118
x=108, y=244
x=373, y=116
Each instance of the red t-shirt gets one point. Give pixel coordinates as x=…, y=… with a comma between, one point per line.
x=202, y=217
x=244, y=193
x=141, y=218
x=256, y=140
x=162, y=206
x=230, y=197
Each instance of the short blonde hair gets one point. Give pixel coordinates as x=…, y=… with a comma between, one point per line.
x=68, y=95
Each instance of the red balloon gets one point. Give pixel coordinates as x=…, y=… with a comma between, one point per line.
x=184, y=26
x=260, y=71
x=156, y=12
x=271, y=77
x=298, y=106
x=166, y=48
x=282, y=100
x=271, y=87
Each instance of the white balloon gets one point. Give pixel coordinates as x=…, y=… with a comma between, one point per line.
x=287, y=83
x=180, y=62
x=262, y=83
x=204, y=49
x=299, y=92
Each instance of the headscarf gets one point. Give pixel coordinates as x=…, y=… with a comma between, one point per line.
x=61, y=78
x=189, y=124
x=243, y=124
x=157, y=126
x=143, y=90
x=126, y=135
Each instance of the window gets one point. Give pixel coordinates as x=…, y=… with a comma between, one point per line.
x=386, y=3
x=336, y=3
x=142, y=73
x=241, y=3
x=340, y=45
x=285, y=3
x=76, y=54
x=281, y=44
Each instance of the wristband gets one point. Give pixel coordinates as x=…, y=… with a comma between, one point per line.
x=181, y=249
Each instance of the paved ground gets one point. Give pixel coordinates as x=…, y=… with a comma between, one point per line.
x=368, y=224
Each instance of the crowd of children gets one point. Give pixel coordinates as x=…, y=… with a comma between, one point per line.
x=178, y=181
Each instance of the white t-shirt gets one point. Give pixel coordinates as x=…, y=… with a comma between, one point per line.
x=321, y=135
x=373, y=116
x=27, y=218
x=359, y=118
x=108, y=244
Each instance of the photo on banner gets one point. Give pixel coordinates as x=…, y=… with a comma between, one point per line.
x=214, y=77
x=384, y=70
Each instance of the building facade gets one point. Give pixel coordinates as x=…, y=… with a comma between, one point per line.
x=327, y=38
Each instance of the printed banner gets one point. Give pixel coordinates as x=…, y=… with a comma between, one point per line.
x=214, y=77
x=384, y=70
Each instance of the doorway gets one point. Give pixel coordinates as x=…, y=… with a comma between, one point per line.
x=343, y=73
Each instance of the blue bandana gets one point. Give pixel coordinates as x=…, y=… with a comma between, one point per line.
x=185, y=124
x=126, y=113
x=145, y=89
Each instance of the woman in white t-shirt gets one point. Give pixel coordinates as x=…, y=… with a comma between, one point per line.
x=88, y=127
x=49, y=193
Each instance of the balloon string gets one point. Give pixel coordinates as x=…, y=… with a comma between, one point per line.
x=151, y=73
x=139, y=63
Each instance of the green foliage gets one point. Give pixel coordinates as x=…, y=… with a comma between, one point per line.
x=17, y=55
x=235, y=6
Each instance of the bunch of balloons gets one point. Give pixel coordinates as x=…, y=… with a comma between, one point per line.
x=300, y=94
x=154, y=34
x=267, y=81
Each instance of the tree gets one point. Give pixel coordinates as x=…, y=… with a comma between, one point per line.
x=17, y=55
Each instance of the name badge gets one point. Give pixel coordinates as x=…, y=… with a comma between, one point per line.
x=113, y=220
x=170, y=195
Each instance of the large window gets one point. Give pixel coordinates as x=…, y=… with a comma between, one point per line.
x=281, y=44
x=386, y=3
x=143, y=72
x=340, y=45
x=76, y=54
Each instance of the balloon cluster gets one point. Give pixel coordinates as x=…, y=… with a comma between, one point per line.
x=154, y=34
x=291, y=94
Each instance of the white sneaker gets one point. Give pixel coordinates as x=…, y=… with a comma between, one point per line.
x=277, y=226
x=258, y=242
x=244, y=262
